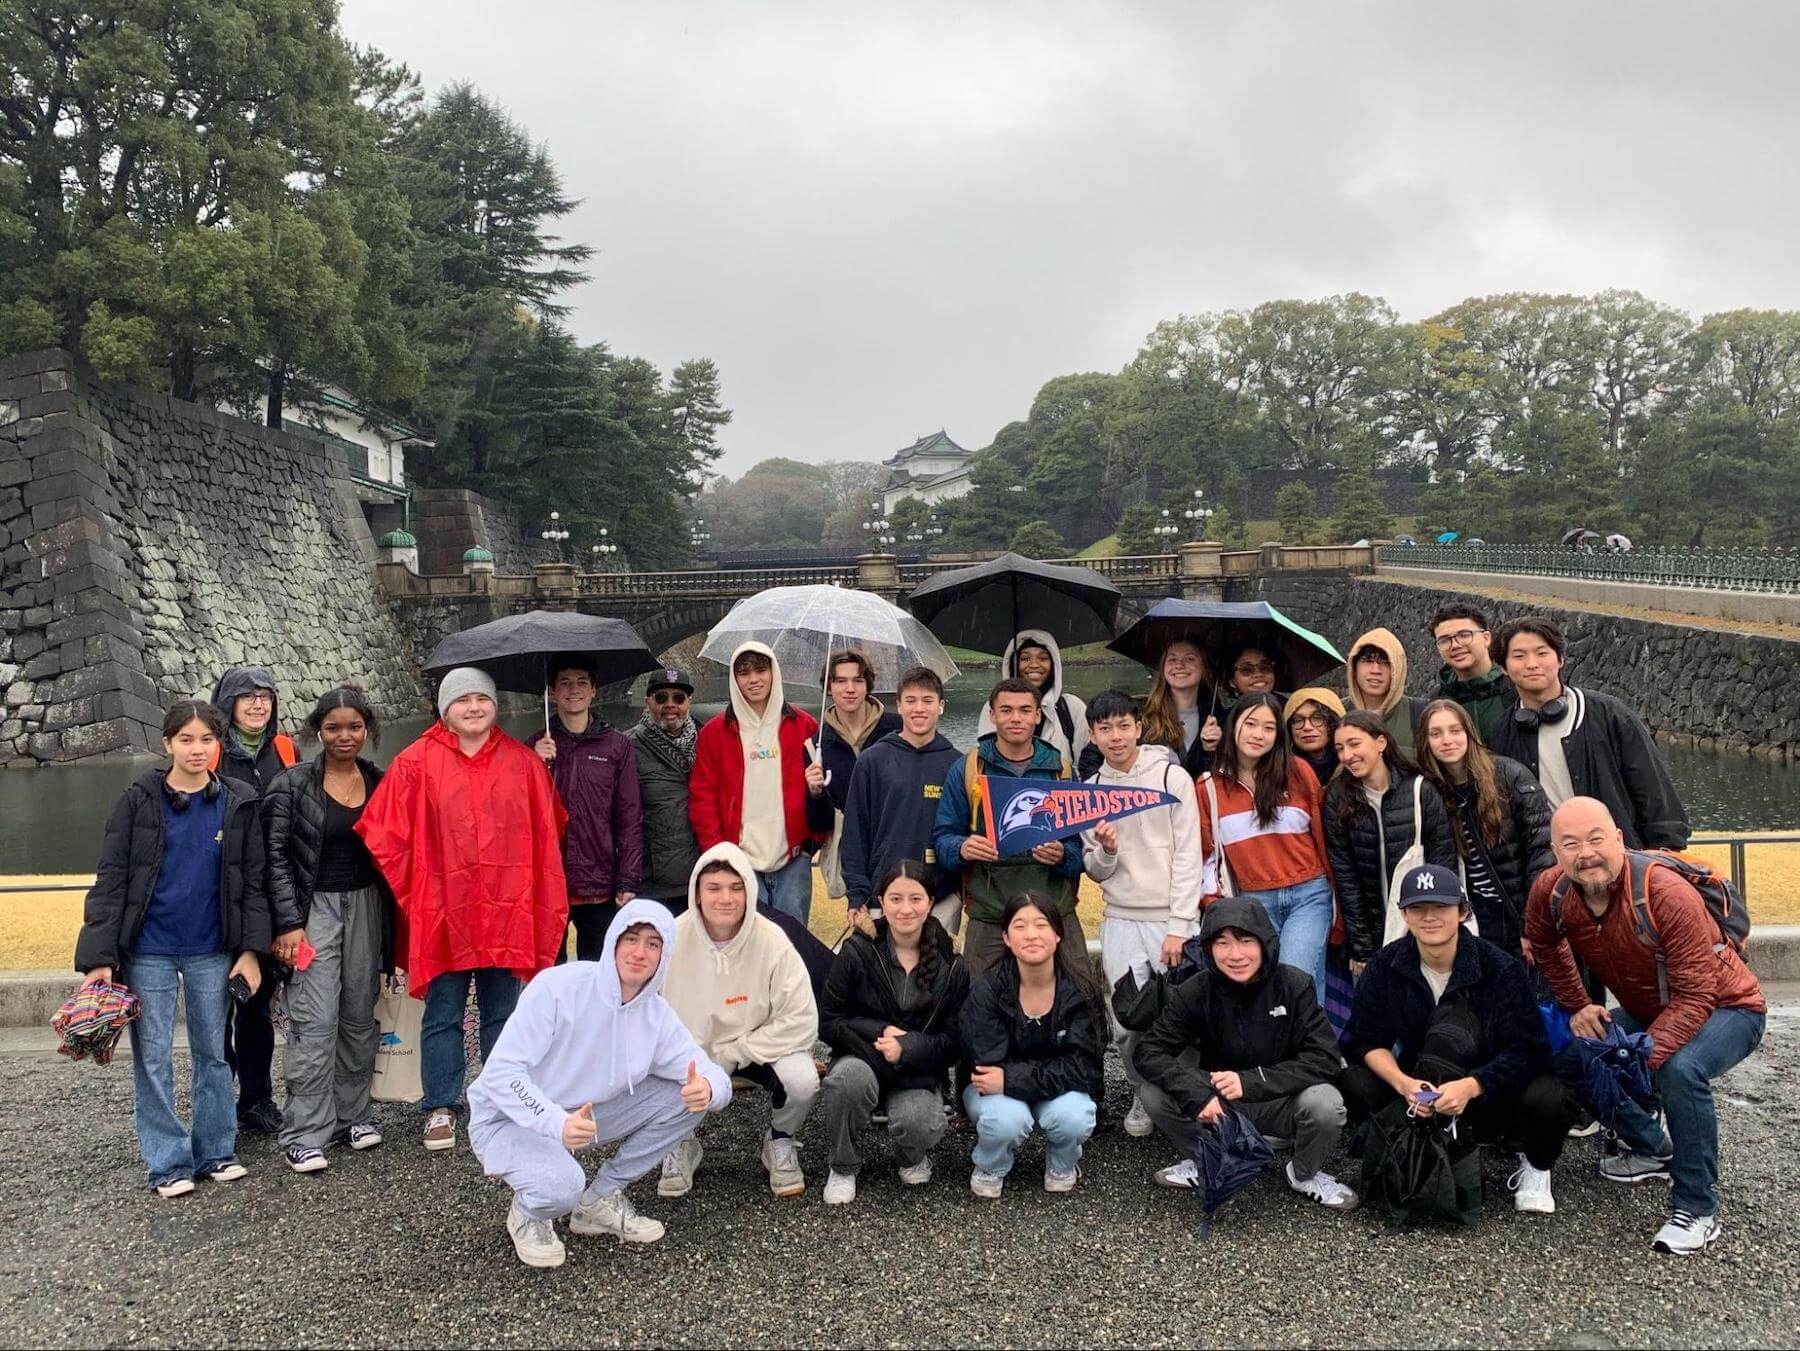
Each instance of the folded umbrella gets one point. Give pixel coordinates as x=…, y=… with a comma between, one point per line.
x=1616, y=1069
x=985, y=607
x=91, y=1020
x=1230, y=1156
x=1216, y=627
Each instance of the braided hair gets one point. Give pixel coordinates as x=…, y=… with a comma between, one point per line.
x=934, y=941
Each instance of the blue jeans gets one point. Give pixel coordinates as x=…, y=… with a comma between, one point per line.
x=1684, y=1083
x=1002, y=1125
x=442, y=1063
x=1302, y=919
x=789, y=887
x=170, y=1149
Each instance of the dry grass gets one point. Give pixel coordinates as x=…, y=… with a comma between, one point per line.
x=38, y=928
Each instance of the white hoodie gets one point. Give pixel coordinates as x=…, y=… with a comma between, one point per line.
x=747, y=1000
x=1155, y=876
x=764, y=833
x=1051, y=728
x=571, y=1041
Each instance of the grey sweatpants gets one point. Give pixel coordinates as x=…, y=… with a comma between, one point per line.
x=915, y=1115
x=548, y=1181
x=1313, y=1119
x=329, y=1060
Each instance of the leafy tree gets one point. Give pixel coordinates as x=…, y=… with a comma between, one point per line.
x=1440, y=394
x=1533, y=348
x=1067, y=480
x=696, y=416
x=1035, y=539
x=1752, y=358
x=1639, y=355
x=1137, y=530
x=1296, y=511
x=1228, y=528
x=1358, y=511
x=777, y=504
x=850, y=487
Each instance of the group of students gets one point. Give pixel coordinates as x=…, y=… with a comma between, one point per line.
x=1330, y=889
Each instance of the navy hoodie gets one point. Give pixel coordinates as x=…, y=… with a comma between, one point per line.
x=890, y=810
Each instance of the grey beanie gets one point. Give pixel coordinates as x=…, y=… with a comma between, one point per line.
x=463, y=680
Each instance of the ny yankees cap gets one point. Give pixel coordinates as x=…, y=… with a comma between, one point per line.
x=1429, y=884
x=669, y=678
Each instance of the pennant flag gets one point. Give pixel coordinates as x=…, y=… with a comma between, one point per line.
x=1024, y=813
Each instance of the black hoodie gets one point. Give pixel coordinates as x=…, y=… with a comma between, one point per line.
x=1270, y=1028
x=276, y=754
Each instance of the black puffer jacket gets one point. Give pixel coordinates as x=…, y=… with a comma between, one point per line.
x=1355, y=850
x=862, y=997
x=131, y=856
x=1520, y=854
x=1044, y=1059
x=294, y=818
x=670, y=849
x=1270, y=1029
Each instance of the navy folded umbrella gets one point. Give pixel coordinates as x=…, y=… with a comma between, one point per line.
x=1616, y=1068
x=1229, y=1156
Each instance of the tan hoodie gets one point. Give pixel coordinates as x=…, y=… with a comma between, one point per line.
x=764, y=834
x=748, y=1000
x=1397, y=711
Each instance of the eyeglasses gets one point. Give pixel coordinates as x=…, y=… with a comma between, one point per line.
x=1255, y=668
x=259, y=697
x=1300, y=720
x=1461, y=638
x=669, y=697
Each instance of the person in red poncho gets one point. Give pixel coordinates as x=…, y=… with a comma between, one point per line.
x=467, y=829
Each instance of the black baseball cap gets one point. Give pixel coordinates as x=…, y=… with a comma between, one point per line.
x=1429, y=884
x=669, y=678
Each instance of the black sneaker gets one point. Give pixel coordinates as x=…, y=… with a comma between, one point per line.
x=363, y=1135
x=259, y=1118
x=306, y=1159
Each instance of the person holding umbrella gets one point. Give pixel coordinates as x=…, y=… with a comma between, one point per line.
x=757, y=784
x=595, y=771
x=467, y=829
x=1034, y=657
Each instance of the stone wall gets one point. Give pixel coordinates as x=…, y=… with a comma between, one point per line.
x=446, y=521
x=1710, y=686
x=150, y=543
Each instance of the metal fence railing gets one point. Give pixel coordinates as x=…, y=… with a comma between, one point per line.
x=1766, y=570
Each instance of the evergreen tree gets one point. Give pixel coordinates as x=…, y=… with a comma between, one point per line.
x=1358, y=511
x=1296, y=512
x=1035, y=539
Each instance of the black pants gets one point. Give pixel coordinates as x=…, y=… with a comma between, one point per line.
x=591, y=921
x=250, y=1043
x=1536, y=1121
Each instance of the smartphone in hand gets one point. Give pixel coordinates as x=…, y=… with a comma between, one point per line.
x=240, y=989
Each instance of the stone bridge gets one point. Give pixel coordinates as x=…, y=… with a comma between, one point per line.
x=667, y=607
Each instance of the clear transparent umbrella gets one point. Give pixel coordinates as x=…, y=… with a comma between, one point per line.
x=805, y=624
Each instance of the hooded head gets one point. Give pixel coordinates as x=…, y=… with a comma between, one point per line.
x=1035, y=638
x=1247, y=917
x=634, y=912
x=239, y=681
x=739, y=862
x=740, y=706
x=1384, y=642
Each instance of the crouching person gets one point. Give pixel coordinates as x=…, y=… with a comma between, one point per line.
x=742, y=990
x=889, y=1014
x=1503, y=1089
x=1246, y=1033
x=591, y=1054
x=1033, y=1031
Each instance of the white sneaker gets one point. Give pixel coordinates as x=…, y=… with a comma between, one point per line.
x=1183, y=1174
x=1531, y=1189
x=1061, y=1182
x=840, y=1188
x=781, y=1157
x=1323, y=1188
x=1685, y=1234
x=1138, y=1124
x=534, y=1240
x=617, y=1216
x=916, y=1176
x=679, y=1168
x=986, y=1185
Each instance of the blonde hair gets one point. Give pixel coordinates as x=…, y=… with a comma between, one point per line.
x=1162, y=716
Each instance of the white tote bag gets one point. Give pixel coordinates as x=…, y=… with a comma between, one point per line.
x=1412, y=858
x=1215, y=873
x=399, y=1020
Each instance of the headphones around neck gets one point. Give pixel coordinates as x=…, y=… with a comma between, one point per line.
x=179, y=801
x=1553, y=712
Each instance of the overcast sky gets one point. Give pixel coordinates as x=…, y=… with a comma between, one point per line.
x=883, y=219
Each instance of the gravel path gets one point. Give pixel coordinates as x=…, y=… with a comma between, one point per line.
x=400, y=1248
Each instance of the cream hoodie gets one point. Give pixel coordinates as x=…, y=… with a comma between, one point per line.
x=748, y=1000
x=764, y=835
x=1155, y=876
x=1397, y=710
x=1050, y=728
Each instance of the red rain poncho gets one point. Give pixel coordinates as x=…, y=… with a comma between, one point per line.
x=472, y=846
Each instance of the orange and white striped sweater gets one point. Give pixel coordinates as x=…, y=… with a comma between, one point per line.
x=1286, y=851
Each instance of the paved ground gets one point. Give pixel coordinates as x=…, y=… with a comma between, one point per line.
x=400, y=1248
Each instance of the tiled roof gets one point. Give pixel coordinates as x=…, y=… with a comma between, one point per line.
x=935, y=443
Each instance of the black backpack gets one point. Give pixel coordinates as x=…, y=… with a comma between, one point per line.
x=1426, y=1168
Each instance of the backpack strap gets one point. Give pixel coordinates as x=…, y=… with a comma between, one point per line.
x=1558, y=894
x=1640, y=865
x=1418, y=812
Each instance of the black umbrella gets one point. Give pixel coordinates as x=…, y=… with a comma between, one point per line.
x=516, y=650
x=986, y=606
x=1578, y=538
x=1218, y=627
x=1230, y=1156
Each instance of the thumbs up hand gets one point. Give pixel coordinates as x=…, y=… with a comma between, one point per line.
x=578, y=1127
x=696, y=1092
